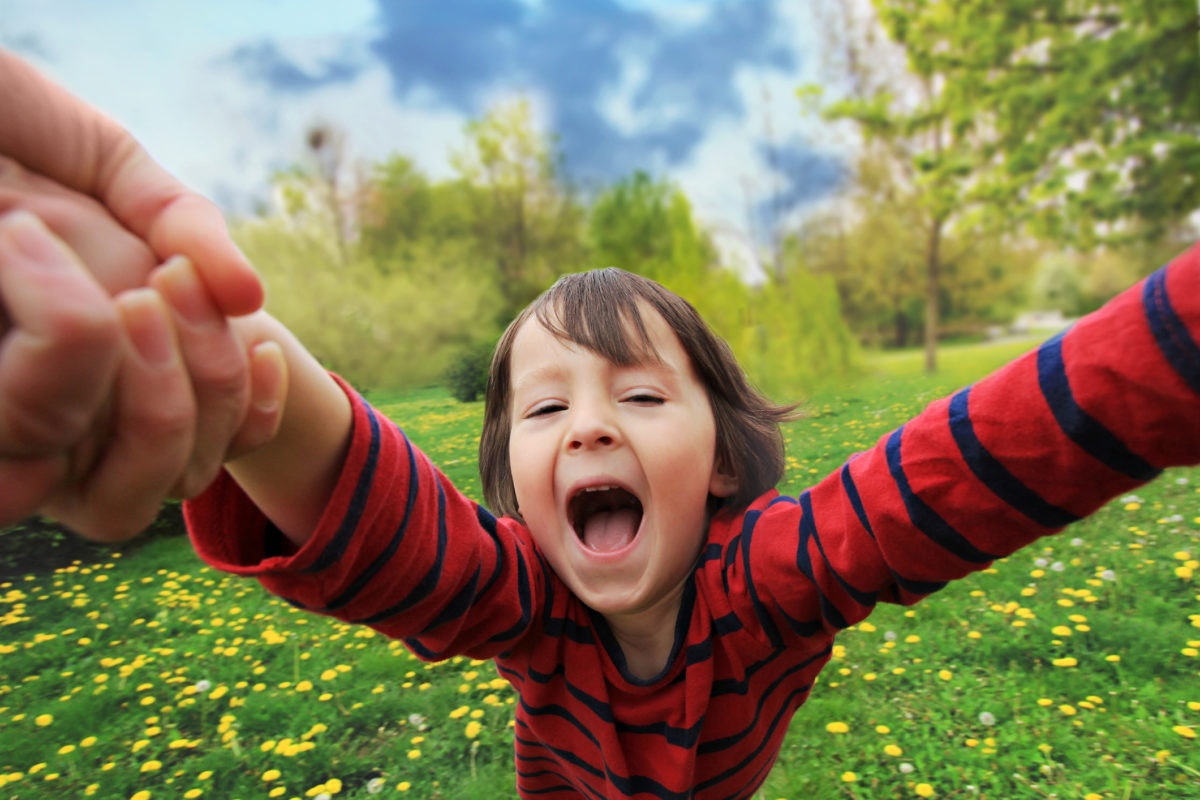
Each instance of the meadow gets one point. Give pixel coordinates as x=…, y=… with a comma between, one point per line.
x=1068, y=670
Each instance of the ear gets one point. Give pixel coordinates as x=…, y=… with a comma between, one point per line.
x=723, y=483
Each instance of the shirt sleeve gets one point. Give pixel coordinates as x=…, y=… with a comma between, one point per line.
x=397, y=548
x=1048, y=439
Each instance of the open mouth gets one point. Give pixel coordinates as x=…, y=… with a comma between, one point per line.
x=605, y=518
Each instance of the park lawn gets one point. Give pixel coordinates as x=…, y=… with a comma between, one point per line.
x=1068, y=670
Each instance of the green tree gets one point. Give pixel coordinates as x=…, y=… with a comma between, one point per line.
x=1096, y=112
x=386, y=308
x=646, y=226
x=871, y=245
x=524, y=220
x=1063, y=118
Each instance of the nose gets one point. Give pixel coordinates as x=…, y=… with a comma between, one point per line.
x=592, y=427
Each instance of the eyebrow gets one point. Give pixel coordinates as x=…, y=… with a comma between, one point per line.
x=548, y=372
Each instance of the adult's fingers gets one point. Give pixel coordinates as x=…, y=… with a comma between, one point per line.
x=151, y=431
x=60, y=352
x=118, y=259
x=216, y=360
x=54, y=133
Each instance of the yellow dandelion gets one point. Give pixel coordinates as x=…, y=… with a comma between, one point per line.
x=837, y=727
x=1185, y=731
x=849, y=777
x=893, y=750
x=473, y=729
x=43, y=720
x=924, y=790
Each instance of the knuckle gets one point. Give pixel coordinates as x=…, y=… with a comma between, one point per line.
x=80, y=322
x=222, y=371
x=48, y=428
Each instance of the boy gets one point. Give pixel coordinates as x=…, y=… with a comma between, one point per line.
x=660, y=609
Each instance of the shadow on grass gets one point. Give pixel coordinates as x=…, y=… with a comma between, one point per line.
x=37, y=546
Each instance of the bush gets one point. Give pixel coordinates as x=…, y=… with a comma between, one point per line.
x=467, y=376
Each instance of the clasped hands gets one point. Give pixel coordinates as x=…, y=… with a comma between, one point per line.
x=123, y=381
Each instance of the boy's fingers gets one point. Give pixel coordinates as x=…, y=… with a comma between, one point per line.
x=60, y=350
x=217, y=363
x=151, y=431
x=268, y=392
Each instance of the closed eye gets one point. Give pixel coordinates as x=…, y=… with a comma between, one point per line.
x=544, y=409
x=645, y=399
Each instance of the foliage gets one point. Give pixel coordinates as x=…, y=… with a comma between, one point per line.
x=150, y=673
x=379, y=328
x=1096, y=111
x=646, y=226
x=523, y=220
x=467, y=376
x=786, y=332
x=1065, y=119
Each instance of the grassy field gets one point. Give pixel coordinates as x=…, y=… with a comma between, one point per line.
x=1067, y=671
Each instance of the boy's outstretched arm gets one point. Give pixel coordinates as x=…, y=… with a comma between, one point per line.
x=291, y=478
x=1046, y=440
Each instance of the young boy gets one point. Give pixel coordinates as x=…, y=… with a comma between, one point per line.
x=661, y=610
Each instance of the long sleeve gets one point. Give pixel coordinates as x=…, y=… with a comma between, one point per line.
x=397, y=548
x=1048, y=439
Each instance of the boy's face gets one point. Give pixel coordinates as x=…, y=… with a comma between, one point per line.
x=612, y=466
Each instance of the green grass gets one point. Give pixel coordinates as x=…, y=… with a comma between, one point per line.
x=151, y=676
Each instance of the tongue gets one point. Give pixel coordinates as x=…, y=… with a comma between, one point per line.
x=606, y=531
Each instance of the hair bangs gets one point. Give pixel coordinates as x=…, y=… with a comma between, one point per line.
x=601, y=312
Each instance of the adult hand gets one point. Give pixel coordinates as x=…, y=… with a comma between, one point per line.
x=53, y=133
x=84, y=384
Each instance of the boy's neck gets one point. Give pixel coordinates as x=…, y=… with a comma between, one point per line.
x=647, y=637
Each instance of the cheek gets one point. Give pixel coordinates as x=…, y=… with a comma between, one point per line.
x=526, y=471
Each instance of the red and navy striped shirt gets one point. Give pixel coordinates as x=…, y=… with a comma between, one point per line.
x=1044, y=441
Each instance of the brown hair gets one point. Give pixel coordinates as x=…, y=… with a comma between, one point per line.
x=595, y=310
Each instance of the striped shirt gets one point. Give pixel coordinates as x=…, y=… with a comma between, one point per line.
x=1046, y=440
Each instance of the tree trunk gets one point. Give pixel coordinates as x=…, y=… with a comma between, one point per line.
x=933, y=278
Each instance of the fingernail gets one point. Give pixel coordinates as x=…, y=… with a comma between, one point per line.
x=268, y=371
x=181, y=286
x=148, y=325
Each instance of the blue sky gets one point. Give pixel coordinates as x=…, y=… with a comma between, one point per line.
x=221, y=91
